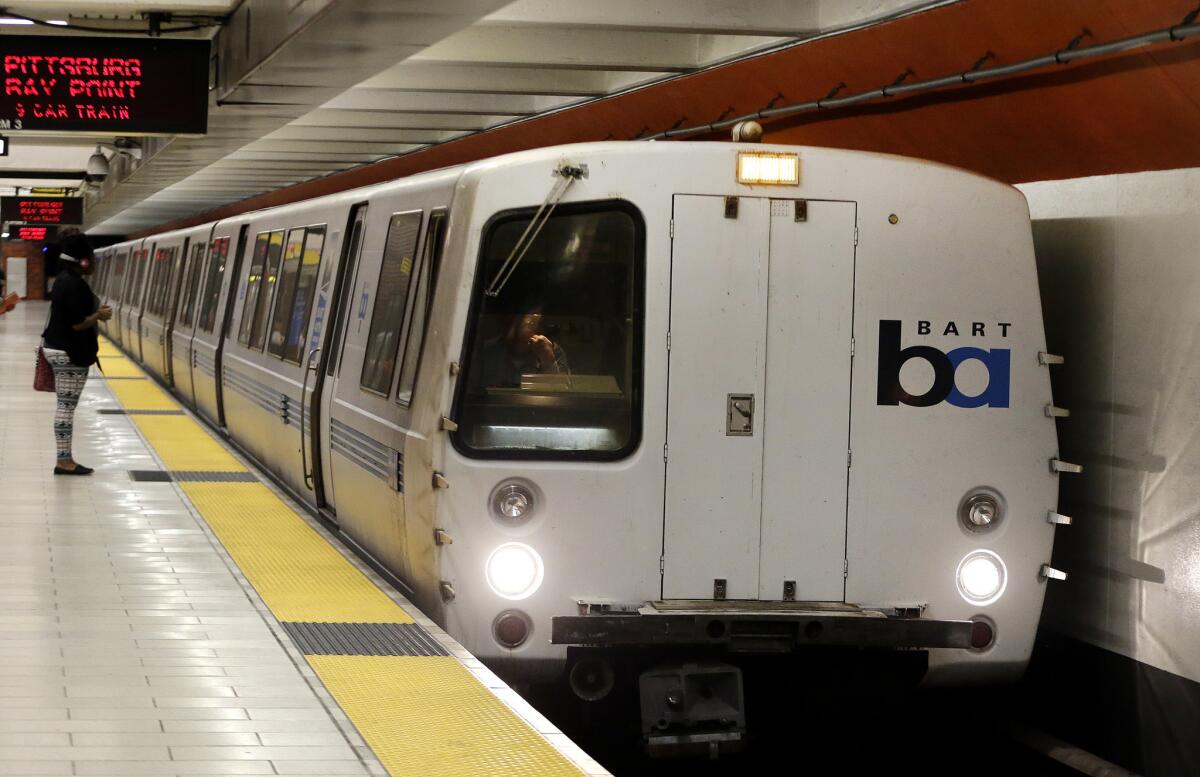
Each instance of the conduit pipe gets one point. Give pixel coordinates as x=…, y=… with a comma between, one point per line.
x=1073, y=53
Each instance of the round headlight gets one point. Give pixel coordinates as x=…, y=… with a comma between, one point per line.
x=981, y=577
x=981, y=511
x=512, y=501
x=514, y=571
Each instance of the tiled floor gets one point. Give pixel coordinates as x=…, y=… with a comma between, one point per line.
x=128, y=645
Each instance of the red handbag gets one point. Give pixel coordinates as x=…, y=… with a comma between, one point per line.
x=43, y=375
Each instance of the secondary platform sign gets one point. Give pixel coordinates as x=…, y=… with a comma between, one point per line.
x=118, y=86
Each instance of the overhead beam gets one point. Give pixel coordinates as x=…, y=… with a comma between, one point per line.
x=771, y=18
x=420, y=102
x=431, y=77
x=585, y=49
x=399, y=120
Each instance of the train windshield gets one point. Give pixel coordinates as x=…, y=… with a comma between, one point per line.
x=553, y=368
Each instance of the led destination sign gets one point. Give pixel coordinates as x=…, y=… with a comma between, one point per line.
x=50, y=211
x=128, y=86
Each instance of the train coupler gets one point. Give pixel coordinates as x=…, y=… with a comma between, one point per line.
x=693, y=708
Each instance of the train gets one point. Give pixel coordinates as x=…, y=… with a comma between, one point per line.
x=625, y=415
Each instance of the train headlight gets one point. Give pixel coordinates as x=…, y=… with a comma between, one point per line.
x=514, y=571
x=512, y=501
x=981, y=511
x=981, y=577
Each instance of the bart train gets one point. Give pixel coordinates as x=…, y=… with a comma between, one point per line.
x=690, y=402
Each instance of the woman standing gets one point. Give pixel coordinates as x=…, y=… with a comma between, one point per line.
x=70, y=342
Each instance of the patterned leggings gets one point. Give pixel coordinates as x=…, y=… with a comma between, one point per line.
x=68, y=382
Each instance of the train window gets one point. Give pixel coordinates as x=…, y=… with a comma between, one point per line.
x=151, y=263
x=257, y=259
x=138, y=298
x=212, y=284
x=297, y=283
x=345, y=286
x=123, y=291
x=391, y=297
x=262, y=306
x=431, y=254
x=160, y=281
x=553, y=360
x=306, y=288
x=258, y=263
x=191, y=279
x=117, y=286
x=286, y=291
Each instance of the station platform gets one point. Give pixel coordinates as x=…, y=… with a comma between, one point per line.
x=175, y=614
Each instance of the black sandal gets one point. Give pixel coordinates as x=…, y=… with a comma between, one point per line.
x=79, y=470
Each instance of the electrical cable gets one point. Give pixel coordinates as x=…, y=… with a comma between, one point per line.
x=216, y=22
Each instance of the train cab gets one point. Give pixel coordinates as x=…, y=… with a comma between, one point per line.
x=676, y=400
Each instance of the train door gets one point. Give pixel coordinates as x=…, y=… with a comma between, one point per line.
x=326, y=373
x=758, y=399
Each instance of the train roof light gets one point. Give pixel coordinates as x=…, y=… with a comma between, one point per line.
x=768, y=168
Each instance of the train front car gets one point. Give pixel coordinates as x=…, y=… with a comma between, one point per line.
x=709, y=403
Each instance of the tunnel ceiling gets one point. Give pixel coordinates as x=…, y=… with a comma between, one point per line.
x=541, y=72
x=305, y=89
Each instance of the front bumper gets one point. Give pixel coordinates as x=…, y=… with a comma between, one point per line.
x=754, y=627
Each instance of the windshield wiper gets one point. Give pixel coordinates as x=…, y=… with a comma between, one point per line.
x=568, y=174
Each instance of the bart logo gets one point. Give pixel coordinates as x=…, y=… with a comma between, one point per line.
x=892, y=357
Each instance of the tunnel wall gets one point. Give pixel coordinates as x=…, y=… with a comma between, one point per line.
x=1119, y=268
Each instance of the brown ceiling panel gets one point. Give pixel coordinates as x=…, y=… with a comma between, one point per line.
x=1132, y=111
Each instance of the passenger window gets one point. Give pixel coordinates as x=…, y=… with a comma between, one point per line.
x=431, y=257
x=139, y=281
x=306, y=288
x=553, y=362
x=191, y=280
x=391, y=297
x=160, y=288
x=212, y=284
x=153, y=261
x=286, y=292
x=131, y=278
x=257, y=260
x=262, y=306
x=345, y=289
x=118, y=282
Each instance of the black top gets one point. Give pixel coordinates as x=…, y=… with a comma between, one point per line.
x=71, y=301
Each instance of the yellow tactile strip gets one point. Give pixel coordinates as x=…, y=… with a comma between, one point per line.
x=117, y=366
x=423, y=715
x=391, y=699
x=142, y=395
x=183, y=444
x=295, y=570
